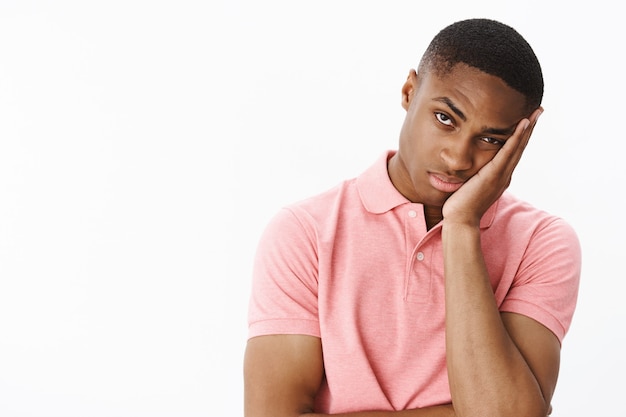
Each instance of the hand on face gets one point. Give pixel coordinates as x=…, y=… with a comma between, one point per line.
x=468, y=204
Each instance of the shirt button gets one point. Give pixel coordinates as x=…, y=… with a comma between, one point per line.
x=412, y=213
x=420, y=256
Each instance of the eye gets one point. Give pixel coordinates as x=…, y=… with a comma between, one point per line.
x=492, y=141
x=443, y=119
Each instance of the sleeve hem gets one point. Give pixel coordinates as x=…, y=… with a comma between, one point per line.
x=536, y=313
x=284, y=326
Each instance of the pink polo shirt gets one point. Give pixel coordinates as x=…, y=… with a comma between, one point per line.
x=356, y=267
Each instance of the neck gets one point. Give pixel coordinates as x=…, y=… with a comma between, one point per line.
x=432, y=215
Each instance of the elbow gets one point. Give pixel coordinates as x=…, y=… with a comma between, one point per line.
x=503, y=407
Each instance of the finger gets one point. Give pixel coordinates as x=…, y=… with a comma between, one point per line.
x=528, y=131
x=512, y=150
x=533, y=118
x=521, y=136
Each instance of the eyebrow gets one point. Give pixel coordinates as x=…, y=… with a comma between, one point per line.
x=453, y=107
x=491, y=130
x=504, y=132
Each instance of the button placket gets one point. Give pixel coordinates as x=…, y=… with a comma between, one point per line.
x=418, y=274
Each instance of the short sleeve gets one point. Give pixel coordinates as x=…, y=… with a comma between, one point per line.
x=546, y=285
x=284, y=279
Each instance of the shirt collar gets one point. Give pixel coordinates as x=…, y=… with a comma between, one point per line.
x=376, y=190
x=378, y=194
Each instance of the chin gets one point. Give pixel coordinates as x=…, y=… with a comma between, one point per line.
x=437, y=199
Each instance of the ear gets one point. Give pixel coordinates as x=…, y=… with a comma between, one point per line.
x=408, y=89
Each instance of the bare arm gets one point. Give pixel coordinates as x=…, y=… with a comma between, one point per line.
x=282, y=374
x=498, y=365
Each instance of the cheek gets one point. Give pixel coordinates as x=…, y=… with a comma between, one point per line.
x=420, y=141
x=419, y=135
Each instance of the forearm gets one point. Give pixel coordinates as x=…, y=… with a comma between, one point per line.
x=488, y=375
x=435, y=411
x=283, y=373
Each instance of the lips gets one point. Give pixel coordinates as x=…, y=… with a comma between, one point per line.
x=444, y=183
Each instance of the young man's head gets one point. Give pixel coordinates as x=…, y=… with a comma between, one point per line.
x=476, y=81
x=491, y=47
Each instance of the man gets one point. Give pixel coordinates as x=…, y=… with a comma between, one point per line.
x=422, y=288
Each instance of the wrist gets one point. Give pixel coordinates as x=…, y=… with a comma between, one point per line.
x=460, y=224
x=458, y=235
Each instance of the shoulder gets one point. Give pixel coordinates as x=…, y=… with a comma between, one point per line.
x=546, y=264
x=548, y=245
x=536, y=236
x=320, y=208
x=515, y=213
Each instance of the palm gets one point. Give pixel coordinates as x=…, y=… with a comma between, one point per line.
x=469, y=203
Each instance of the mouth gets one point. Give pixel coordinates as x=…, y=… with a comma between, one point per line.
x=444, y=183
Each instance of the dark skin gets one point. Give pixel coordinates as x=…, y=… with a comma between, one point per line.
x=462, y=138
x=452, y=129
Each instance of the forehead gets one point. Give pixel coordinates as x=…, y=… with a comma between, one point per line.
x=480, y=96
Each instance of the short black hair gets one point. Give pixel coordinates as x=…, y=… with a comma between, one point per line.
x=492, y=47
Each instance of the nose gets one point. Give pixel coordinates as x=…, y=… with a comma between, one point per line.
x=457, y=155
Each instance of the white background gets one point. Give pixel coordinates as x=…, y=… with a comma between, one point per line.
x=145, y=144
